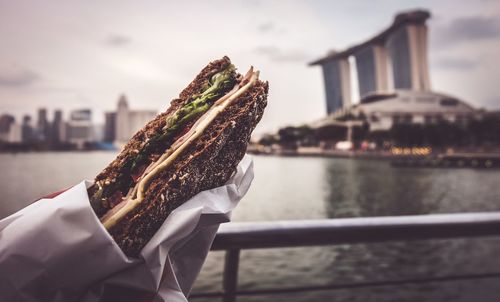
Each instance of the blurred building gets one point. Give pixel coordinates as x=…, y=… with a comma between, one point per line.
x=109, y=127
x=394, y=59
x=337, y=76
x=27, y=131
x=6, y=120
x=382, y=111
x=10, y=131
x=79, y=128
x=57, y=128
x=128, y=122
x=15, y=133
x=42, y=126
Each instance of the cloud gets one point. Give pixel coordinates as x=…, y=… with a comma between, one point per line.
x=18, y=78
x=271, y=28
x=279, y=55
x=116, y=40
x=471, y=28
x=266, y=27
x=455, y=63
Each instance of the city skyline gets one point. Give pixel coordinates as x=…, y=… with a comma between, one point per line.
x=52, y=129
x=88, y=53
x=53, y=112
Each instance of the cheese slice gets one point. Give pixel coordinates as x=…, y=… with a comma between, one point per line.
x=111, y=218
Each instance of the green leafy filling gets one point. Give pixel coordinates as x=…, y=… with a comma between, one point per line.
x=218, y=85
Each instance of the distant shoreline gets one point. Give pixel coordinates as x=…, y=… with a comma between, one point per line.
x=41, y=147
x=325, y=153
x=433, y=160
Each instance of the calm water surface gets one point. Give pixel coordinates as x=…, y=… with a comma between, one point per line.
x=309, y=188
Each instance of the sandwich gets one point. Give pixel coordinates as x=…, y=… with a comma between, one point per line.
x=195, y=145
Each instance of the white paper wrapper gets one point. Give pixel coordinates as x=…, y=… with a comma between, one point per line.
x=57, y=250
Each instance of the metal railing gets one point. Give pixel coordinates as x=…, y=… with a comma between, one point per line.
x=233, y=237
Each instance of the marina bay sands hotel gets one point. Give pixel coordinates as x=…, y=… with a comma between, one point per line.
x=393, y=81
x=394, y=59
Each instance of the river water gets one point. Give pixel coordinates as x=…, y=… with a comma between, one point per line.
x=312, y=188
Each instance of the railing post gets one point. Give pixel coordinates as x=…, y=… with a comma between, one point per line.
x=230, y=279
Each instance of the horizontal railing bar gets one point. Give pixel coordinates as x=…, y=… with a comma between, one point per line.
x=337, y=286
x=293, y=233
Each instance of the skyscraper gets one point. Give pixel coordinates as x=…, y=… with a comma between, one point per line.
x=57, y=129
x=42, y=127
x=122, y=120
x=6, y=122
x=407, y=48
x=336, y=74
x=79, y=127
x=27, y=132
x=109, y=127
x=129, y=121
x=372, y=68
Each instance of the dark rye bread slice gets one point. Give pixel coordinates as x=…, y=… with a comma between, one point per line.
x=207, y=163
x=136, y=143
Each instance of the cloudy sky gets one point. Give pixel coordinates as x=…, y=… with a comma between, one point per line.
x=69, y=54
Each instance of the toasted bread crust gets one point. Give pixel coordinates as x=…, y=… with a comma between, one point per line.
x=207, y=163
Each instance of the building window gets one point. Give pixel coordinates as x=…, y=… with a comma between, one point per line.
x=448, y=102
